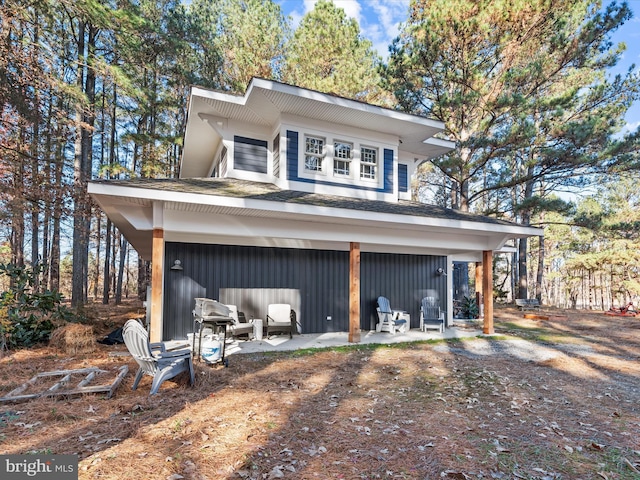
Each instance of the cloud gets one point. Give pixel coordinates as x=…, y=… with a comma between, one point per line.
x=631, y=127
x=379, y=20
x=390, y=13
x=384, y=22
x=352, y=8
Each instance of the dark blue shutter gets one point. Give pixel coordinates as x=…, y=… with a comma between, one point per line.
x=403, y=178
x=292, y=155
x=250, y=154
x=388, y=170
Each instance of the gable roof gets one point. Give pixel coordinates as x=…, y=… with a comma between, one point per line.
x=193, y=207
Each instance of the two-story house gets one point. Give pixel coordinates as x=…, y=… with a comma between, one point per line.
x=288, y=195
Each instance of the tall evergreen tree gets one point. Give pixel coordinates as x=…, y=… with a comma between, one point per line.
x=328, y=54
x=234, y=41
x=522, y=89
x=513, y=81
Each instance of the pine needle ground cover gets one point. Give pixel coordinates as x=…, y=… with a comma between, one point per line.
x=552, y=399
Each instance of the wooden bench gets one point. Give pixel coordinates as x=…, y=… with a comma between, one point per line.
x=528, y=303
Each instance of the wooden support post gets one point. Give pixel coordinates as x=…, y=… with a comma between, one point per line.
x=157, y=273
x=479, y=300
x=487, y=289
x=354, y=292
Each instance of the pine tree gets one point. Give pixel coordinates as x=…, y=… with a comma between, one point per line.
x=328, y=54
x=234, y=41
x=519, y=82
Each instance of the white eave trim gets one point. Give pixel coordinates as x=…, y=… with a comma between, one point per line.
x=257, y=83
x=439, y=142
x=331, y=213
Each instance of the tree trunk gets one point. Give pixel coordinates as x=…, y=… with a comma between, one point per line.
x=58, y=201
x=115, y=242
x=17, y=208
x=112, y=159
x=48, y=205
x=523, y=279
x=522, y=269
x=35, y=174
x=144, y=274
x=123, y=257
x=590, y=288
x=107, y=264
x=82, y=168
x=464, y=196
x=96, y=270
x=78, y=178
x=540, y=272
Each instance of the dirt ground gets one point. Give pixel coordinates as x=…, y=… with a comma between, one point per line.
x=556, y=399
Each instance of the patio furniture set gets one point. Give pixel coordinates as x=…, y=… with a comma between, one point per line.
x=392, y=321
x=156, y=360
x=279, y=319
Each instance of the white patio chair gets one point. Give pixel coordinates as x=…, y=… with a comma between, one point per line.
x=280, y=318
x=431, y=317
x=238, y=328
x=389, y=320
x=153, y=358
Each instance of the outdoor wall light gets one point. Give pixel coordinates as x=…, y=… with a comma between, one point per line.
x=177, y=265
x=440, y=271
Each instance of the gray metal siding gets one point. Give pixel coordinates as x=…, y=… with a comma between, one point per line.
x=314, y=282
x=403, y=279
x=250, y=154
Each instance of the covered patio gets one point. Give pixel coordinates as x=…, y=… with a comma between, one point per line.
x=281, y=343
x=333, y=256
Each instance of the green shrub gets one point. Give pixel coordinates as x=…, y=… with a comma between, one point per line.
x=27, y=316
x=469, y=308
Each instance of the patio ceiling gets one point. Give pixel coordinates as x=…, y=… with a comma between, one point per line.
x=224, y=211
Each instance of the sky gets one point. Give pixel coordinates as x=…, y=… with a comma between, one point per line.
x=380, y=21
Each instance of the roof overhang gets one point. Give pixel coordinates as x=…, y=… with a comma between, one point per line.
x=217, y=219
x=265, y=101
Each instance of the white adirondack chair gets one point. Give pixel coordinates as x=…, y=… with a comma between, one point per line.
x=153, y=358
x=389, y=320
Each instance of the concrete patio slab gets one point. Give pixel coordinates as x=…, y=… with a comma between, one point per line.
x=277, y=343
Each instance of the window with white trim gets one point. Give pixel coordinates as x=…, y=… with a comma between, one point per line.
x=313, y=153
x=342, y=155
x=368, y=162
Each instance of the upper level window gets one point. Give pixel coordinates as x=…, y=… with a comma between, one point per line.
x=368, y=162
x=342, y=154
x=313, y=153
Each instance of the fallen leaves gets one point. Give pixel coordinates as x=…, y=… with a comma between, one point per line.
x=631, y=465
x=413, y=412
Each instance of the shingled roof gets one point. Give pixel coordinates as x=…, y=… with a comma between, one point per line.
x=234, y=188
